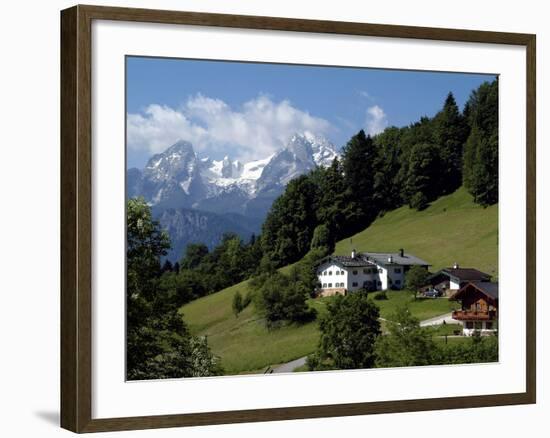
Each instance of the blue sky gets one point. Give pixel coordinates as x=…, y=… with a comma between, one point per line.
x=248, y=110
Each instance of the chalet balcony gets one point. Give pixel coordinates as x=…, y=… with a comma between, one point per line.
x=472, y=315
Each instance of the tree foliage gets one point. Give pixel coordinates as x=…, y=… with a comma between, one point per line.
x=480, y=174
x=288, y=228
x=406, y=343
x=159, y=344
x=450, y=133
x=416, y=277
x=349, y=331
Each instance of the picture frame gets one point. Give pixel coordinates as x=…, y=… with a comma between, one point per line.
x=77, y=168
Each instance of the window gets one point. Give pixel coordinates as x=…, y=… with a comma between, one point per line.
x=397, y=270
x=469, y=325
x=354, y=272
x=324, y=272
x=354, y=284
x=380, y=270
x=397, y=281
x=478, y=307
x=341, y=272
x=478, y=325
x=489, y=325
x=341, y=284
x=324, y=285
x=337, y=272
x=329, y=272
x=330, y=285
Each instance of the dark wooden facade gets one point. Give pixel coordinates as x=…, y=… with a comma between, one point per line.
x=479, y=302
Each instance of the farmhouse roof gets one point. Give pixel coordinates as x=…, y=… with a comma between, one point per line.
x=378, y=258
x=487, y=288
x=397, y=258
x=466, y=274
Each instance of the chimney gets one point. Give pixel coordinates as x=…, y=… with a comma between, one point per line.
x=353, y=253
x=401, y=252
x=455, y=266
x=390, y=259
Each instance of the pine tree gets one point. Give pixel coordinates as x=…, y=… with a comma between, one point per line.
x=480, y=175
x=423, y=175
x=450, y=133
x=288, y=228
x=387, y=163
x=167, y=266
x=358, y=166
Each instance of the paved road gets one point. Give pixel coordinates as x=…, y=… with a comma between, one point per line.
x=290, y=366
x=448, y=318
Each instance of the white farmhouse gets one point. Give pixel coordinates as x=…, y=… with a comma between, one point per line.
x=366, y=270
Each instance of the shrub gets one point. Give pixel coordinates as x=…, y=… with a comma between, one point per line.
x=381, y=296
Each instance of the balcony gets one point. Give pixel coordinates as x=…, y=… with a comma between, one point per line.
x=472, y=315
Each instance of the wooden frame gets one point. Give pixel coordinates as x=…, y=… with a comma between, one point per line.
x=76, y=176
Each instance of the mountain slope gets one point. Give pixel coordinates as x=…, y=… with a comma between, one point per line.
x=452, y=229
x=185, y=226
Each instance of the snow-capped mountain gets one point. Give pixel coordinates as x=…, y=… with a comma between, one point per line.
x=177, y=177
x=177, y=182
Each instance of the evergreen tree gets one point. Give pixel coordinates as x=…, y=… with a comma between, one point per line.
x=387, y=164
x=423, y=175
x=167, y=266
x=358, y=158
x=450, y=133
x=194, y=255
x=417, y=133
x=288, y=228
x=480, y=174
x=333, y=206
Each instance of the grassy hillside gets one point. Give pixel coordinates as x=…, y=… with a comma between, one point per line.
x=452, y=229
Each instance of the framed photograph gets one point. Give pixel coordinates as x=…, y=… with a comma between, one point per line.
x=268, y=218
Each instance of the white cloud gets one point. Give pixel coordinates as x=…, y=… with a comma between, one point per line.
x=366, y=95
x=376, y=120
x=257, y=129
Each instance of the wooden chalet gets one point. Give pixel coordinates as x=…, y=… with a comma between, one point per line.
x=479, y=312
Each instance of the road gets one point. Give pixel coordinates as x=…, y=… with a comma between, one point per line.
x=289, y=367
x=447, y=318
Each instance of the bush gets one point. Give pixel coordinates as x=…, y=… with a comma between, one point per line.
x=237, y=303
x=419, y=201
x=381, y=296
x=281, y=299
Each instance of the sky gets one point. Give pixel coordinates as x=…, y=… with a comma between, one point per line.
x=248, y=111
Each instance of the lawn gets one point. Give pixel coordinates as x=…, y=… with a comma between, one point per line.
x=452, y=229
x=245, y=345
x=421, y=308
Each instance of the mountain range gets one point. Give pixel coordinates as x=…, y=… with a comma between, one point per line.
x=198, y=199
